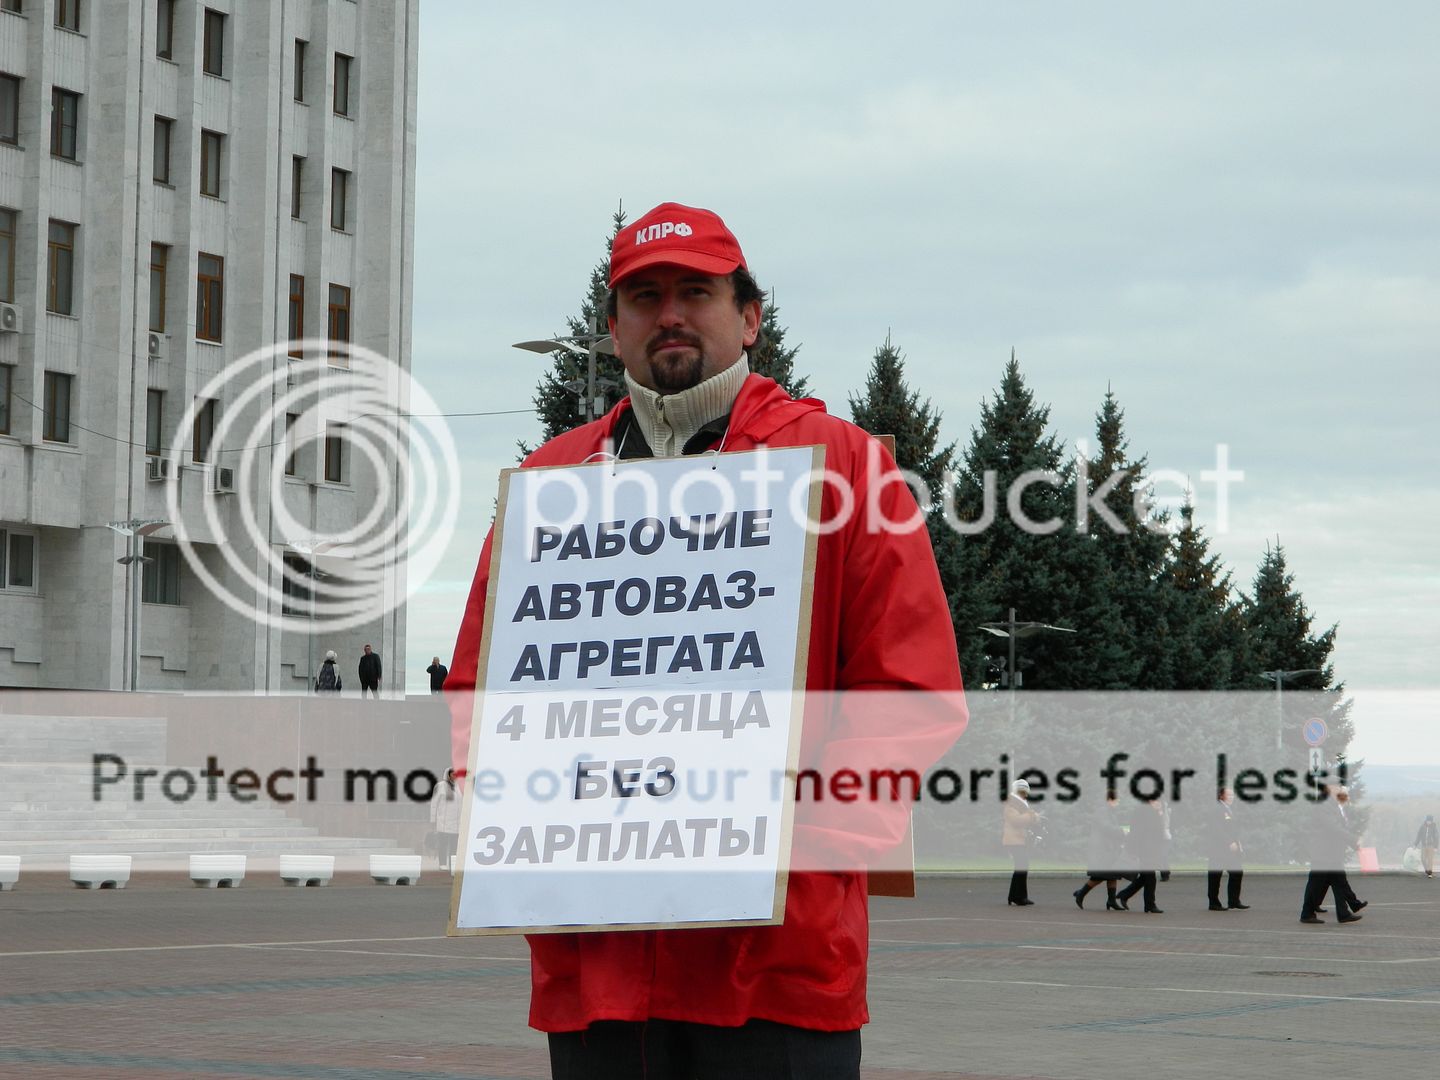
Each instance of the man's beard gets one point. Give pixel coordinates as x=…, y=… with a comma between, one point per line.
x=675, y=373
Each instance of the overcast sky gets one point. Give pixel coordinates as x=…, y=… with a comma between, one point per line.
x=1229, y=215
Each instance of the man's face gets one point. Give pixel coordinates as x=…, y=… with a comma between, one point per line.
x=367, y=650
x=675, y=328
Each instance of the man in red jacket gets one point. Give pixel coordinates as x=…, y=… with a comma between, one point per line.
x=770, y=1001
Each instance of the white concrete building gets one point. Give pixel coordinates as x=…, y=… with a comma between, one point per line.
x=183, y=182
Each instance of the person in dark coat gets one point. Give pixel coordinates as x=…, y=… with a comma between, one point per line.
x=327, y=679
x=1427, y=840
x=370, y=673
x=1107, y=838
x=438, y=673
x=1147, y=847
x=1329, y=839
x=1225, y=850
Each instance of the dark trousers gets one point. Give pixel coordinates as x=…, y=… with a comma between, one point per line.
x=675, y=1050
x=1232, y=887
x=1316, y=885
x=370, y=685
x=1145, y=879
x=1020, y=879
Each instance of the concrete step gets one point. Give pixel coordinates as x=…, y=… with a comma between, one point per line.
x=74, y=836
x=135, y=846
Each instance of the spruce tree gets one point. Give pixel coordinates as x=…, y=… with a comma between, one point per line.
x=1000, y=565
x=1134, y=555
x=1279, y=626
x=889, y=407
x=770, y=357
x=1208, y=642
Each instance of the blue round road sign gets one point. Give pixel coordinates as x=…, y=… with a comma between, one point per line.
x=1315, y=731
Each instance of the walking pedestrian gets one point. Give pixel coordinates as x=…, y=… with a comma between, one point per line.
x=1107, y=837
x=327, y=680
x=445, y=817
x=1146, y=842
x=1017, y=822
x=1225, y=848
x=1427, y=840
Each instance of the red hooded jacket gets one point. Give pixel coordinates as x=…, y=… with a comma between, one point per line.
x=880, y=622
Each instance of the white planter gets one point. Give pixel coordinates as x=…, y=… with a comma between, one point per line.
x=217, y=871
x=307, y=869
x=9, y=871
x=395, y=869
x=100, y=871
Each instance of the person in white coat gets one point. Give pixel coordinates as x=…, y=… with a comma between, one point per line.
x=445, y=818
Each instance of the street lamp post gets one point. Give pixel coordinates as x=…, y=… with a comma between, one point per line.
x=1013, y=629
x=1278, y=677
x=135, y=530
x=588, y=346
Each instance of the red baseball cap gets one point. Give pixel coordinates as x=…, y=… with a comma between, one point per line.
x=675, y=235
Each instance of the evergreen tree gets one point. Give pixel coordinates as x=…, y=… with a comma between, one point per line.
x=1279, y=626
x=1000, y=565
x=889, y=407
x=1123, y=526
x=1208, y=643
x=770, y=357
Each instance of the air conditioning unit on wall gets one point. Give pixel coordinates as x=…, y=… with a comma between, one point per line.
x=222, y=480
x=158, y=468
x=11, y=321
x=156, y=346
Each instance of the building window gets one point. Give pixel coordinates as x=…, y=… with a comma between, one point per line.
x=164, y=136
x=60, y=281
x=204, y=432
x=154, y=421
x=296, y=583
x=212, y=150
x=165, y=29
x=291, y=468
x=334, y=454
x=11, y=5
x=300, y=69
x=160, y=581
x=297, y=313
x=214, y=57
x=17, y=560
x=57, y=407
x=159, y=259
x=7, y=256
x=5, y=379
x=9, y=109
x=67, y=14
x=339, y=199
x=342, y=84
x=339, y=322
x=297, y=179
x=209, y=297
x=64, y=123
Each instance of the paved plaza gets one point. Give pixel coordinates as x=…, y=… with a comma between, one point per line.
x=359, y=981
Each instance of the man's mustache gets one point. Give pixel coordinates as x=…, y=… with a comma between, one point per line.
x=660, y=341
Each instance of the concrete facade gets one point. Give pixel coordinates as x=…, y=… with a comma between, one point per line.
x=66, y=621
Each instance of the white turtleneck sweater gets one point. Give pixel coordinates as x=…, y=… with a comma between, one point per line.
x=669, y=421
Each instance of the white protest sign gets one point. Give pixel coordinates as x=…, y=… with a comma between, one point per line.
x=644, y=650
